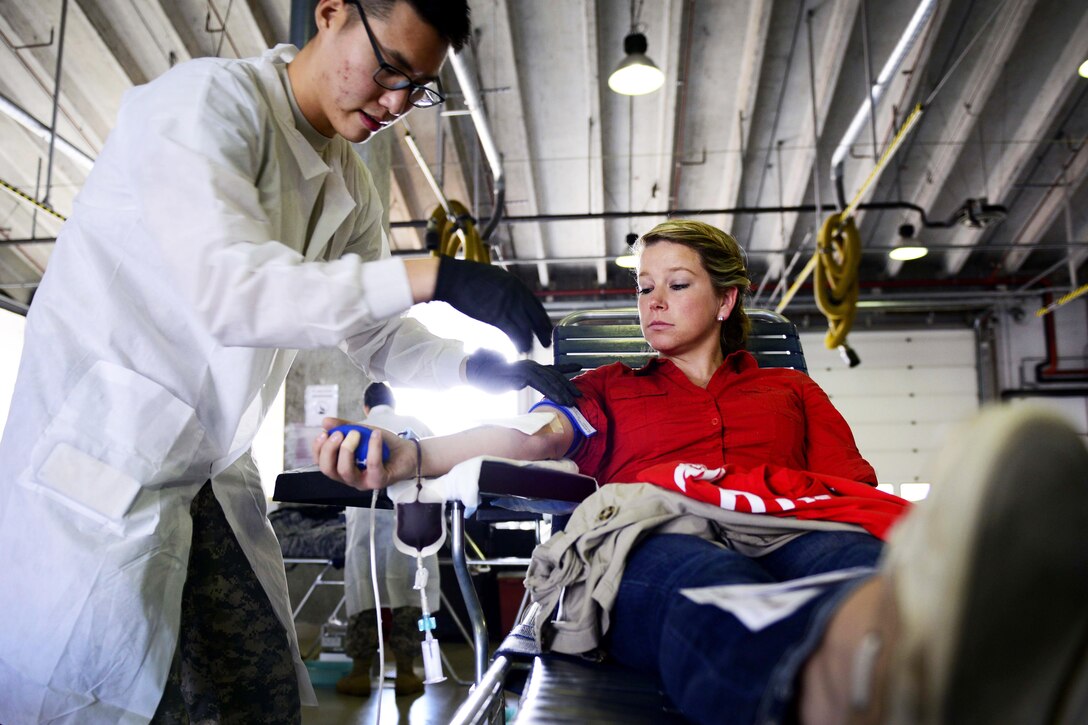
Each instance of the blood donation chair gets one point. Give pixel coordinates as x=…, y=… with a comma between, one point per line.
x=558, y=688
x=561, y=688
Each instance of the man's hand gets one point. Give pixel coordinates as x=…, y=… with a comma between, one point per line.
x=489, y=371
x=496, y=297
x=335, y=455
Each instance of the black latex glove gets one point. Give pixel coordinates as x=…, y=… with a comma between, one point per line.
x=488, y=370
x=496, y=297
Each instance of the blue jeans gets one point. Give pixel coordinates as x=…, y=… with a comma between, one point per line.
x=710, y=664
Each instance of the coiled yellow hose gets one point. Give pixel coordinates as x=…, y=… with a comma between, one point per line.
x=446, y=237
x=836, y=281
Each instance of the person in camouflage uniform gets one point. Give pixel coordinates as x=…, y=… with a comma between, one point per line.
x=395, y=573
x=233, y=663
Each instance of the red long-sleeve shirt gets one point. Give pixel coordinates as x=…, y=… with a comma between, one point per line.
x=776, y=443
x=746, y=416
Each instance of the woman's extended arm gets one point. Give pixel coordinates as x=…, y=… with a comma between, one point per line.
x=335, y=455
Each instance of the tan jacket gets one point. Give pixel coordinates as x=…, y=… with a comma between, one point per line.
x=576, y=574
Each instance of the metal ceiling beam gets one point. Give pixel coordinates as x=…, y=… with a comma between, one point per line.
x=466, y=79
x=675, y=14
x=88, y=103
x=19, y=308
x=189, y=22
x=903, y=47
x=1058, y=82
x=39, y=129
x=594, y=88
x=962, y=110
x=404, y=198
x=1053, y=204
x=751, y=65
x=828, y=57
x=245, y=29
x=140, y=36
x=510, y=111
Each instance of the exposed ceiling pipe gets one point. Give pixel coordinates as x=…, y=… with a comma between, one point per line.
x=961, y=216
x=593, y=259
x=432, y=182
x=19, y=308
x=966, y=302
x=474, y=103
x=681, y=103
x=906, y=42
x=1073, y=245
x=39, y=129
x=766, y=163
x=56, y=105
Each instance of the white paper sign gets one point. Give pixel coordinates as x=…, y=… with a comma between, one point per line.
x=321, y=401
x=760, y=605
x=297, y=442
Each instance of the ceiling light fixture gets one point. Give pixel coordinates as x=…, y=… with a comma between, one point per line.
x=979, y=213
x=636, y=75
x=904, y=251
x=628, y=261
x=905, y=254
x=1083, y=70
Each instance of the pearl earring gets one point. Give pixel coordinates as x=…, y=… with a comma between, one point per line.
x=721, y=319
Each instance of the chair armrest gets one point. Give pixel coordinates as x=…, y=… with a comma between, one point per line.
x=310, y=485
x=502, y=478
x=497, y=478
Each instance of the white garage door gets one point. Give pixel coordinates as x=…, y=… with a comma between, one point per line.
x=909, y=389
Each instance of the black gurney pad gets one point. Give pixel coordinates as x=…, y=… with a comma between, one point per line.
x=310, y=485
x=563, y=689
x=497, y=478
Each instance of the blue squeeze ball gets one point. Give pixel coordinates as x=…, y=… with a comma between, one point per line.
x=364, y=439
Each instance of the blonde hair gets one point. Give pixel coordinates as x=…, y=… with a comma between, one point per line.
x=723, y=261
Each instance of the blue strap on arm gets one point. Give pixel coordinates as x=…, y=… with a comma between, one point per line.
x=581, y=427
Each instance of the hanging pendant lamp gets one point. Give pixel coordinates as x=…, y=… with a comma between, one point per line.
x=636, y=75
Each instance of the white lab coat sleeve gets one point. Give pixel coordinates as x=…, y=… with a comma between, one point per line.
x=198, y=146
x=401, y=351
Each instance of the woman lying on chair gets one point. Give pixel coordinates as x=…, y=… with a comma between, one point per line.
x=744, y=574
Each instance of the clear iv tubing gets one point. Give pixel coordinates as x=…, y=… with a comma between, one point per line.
x=377, y=608
x=432, y=657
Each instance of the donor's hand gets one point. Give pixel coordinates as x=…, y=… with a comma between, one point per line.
x=338, y=456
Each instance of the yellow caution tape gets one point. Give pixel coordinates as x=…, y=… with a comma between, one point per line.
x=31, y=200
x=1069, y=297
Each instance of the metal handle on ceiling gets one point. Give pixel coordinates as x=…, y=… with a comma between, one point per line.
x=474, y=103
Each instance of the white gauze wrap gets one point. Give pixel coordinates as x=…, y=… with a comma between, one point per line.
x=462, y=482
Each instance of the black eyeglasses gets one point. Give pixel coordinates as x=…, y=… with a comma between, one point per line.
x=391, y=78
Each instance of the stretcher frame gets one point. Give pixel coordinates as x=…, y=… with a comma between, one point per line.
x=589, y=339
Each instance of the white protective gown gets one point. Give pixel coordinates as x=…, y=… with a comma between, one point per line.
x=396, y=570
x=165, y=324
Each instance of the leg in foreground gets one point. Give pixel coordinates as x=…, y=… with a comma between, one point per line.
x=736, y=660
x=980, y=612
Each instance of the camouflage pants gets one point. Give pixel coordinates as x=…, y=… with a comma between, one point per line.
x=233, y=662
x=361, y=640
